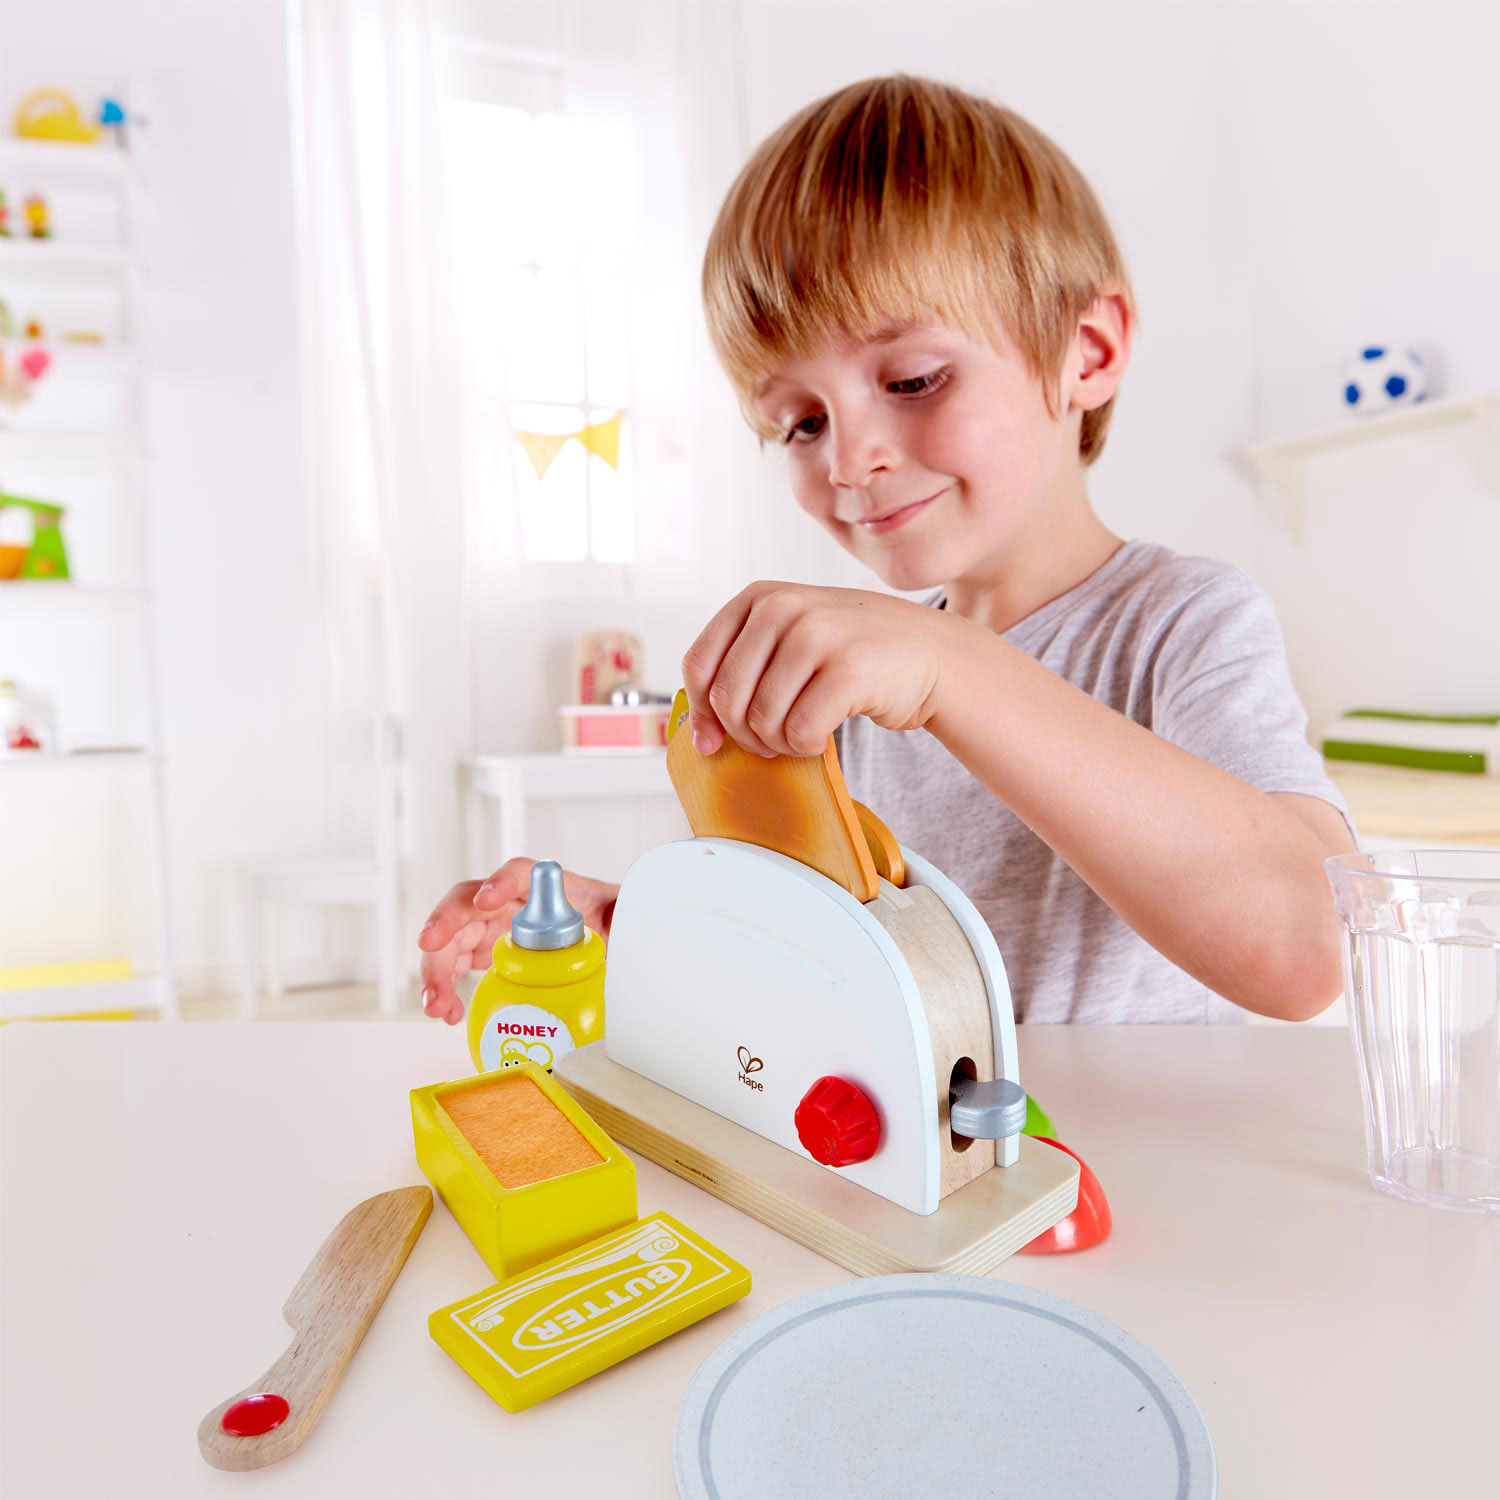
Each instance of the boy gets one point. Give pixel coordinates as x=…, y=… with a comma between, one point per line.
x=917, y=293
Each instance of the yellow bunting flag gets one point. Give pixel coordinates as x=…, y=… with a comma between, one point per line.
x=603, y=439
x=541, y=448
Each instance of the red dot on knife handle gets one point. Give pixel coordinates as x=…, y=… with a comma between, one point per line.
x=252, y=1415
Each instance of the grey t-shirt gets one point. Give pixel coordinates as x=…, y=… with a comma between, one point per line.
x=1186, y=646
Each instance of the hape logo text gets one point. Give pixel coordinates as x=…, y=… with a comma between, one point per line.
x=749, y=1064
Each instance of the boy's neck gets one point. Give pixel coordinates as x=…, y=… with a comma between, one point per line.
x=1065, y=545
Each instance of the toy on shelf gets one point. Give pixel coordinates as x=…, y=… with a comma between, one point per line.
x=26, y=726
x=1379, y=379
x=330, y=1309
x=632, y=721
x=611, y=713
x=31, y=539
x=604, y=660
x=883, y=1123
x=51, y=114
x=16, y=385
x=38, y=217
x=544, y=992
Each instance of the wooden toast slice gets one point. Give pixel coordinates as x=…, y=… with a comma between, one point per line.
x=798, y=806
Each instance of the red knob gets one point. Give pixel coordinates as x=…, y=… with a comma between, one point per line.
x=837, y=1123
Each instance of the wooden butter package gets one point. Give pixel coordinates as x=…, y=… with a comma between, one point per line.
x=538, y=1333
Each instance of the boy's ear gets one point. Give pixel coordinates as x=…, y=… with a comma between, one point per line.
x=1099, y=353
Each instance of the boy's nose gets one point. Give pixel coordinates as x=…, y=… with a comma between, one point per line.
x=857, y=453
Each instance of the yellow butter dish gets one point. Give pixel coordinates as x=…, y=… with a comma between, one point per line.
x=539, y=1333
x=523, y=1169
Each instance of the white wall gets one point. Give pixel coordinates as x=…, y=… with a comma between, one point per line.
x=1290, y=181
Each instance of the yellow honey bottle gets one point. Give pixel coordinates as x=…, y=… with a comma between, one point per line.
x=544, y=992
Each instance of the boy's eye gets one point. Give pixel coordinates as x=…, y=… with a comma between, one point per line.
x=802, y=429
x=920, y=385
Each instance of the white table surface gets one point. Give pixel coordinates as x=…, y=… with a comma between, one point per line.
x=163, y=1187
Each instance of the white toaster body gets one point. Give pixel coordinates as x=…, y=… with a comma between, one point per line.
x=737, y=977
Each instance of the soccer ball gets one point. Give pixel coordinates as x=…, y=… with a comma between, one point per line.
x=1379, y=378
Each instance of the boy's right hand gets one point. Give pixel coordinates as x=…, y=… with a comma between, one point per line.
x=466, y=924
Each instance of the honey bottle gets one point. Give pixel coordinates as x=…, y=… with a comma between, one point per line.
x=544, y=992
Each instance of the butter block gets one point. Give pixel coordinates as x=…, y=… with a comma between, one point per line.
x=536, y=1334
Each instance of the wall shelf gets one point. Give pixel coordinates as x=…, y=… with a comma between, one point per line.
x=61, y=258
x=29, y=593
x=26, y=164
x=78, y=760
x=1429, y=809
x=1471, y=421
x=62, y=444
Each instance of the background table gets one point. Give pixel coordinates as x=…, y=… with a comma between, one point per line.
x=162, y=1188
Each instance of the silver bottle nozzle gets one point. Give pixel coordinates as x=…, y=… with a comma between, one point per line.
x=547, y=920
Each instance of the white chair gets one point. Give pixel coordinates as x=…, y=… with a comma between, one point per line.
x=269, y=887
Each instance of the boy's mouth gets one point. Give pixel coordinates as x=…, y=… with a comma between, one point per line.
x=891, y=519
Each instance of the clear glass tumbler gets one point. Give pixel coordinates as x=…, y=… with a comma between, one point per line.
x=1422, y=977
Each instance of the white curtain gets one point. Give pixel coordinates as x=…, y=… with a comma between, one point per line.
x=665, y=78
x=439, y=634
x=384, y=424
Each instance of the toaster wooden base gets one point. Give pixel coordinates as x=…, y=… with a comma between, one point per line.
x=973, y=1229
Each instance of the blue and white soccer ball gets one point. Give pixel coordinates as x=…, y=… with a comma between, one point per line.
x=1379, y=378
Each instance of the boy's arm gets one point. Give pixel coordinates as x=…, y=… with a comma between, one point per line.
x=1225, y=880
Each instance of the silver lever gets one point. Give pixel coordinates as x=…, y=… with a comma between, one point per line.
x=987, y=1111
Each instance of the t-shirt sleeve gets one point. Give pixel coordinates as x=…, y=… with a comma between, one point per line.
x=1221, y=689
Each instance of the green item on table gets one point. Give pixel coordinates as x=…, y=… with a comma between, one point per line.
x=1037, y=1122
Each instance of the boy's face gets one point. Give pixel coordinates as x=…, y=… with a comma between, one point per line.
x=924, y=453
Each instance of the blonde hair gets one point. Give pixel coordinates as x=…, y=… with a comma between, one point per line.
x=899, y=198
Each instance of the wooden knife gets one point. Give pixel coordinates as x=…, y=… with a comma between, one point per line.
x=330, y=1308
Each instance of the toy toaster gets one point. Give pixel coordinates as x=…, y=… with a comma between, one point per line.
x=792, y=976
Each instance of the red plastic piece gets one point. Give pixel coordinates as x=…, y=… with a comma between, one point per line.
x=837, y=1123
x=252, y=1415
x=1089, y=1223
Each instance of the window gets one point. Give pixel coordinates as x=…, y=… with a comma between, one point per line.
x=538, y=210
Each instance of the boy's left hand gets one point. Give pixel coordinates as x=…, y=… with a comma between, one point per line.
x=782, y=665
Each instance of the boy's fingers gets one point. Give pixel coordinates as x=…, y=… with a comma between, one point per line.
x=764, y=657
x=511, y=882
x=778, y=710
x=701, y=665
x=447, y=916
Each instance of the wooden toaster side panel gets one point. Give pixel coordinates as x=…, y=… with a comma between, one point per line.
x=953, y=993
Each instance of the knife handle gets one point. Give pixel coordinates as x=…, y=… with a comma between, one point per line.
x=331, y=1308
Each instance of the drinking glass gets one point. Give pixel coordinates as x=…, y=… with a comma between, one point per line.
x=1421, y=958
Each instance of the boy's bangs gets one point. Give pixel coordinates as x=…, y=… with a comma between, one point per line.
x=767, y=309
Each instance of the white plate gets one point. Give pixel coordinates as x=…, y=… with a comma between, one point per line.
x=901, y=1386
